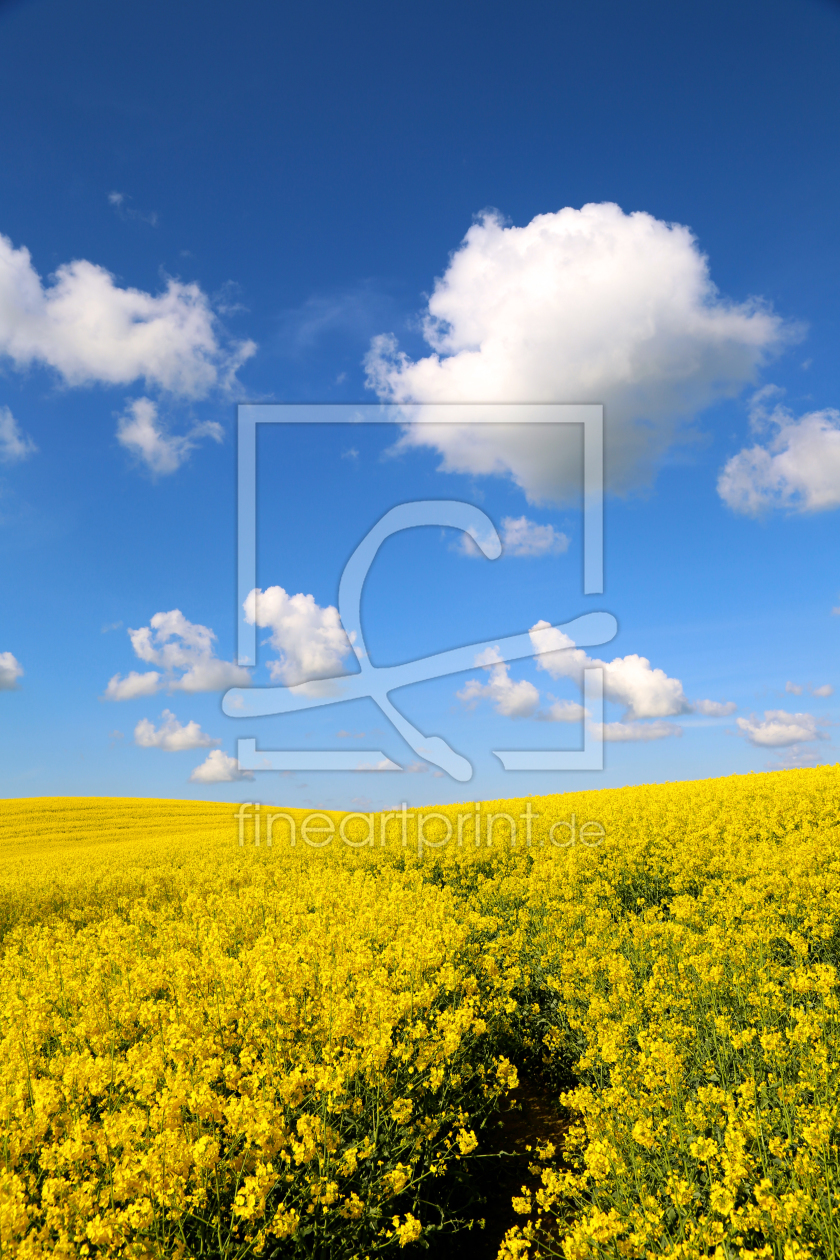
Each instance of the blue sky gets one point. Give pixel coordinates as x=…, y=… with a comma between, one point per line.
x=203, y=205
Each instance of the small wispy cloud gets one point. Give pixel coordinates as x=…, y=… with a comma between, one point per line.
x=15, y=445
x=521, y=537
x=714, y=708
x=171, y=735
x=797, y=757
x=121, y=203
x=355, y=314
x=219, y=768
x=509, y=698
x=141, y=432
x=635, y=732
x=780, y=729
x=822, y=691
x=226, y=299
x=563, y=711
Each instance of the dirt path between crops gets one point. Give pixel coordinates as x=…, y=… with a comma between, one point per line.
x=530, y=1117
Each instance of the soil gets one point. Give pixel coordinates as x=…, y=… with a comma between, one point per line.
x=529, y=1117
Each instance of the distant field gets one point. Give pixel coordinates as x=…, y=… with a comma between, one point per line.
x=223, y=1049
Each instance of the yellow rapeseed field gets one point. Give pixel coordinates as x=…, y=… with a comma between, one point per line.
x=283, y=1034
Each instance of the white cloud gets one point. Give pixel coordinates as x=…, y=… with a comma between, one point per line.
x=647, y=692
x=628, y=680
x=798, y=468
x=511, y=699
x=521, y=537
x=89, y=329
x=15, y=446
x=589, y=305
x=184, y=652
x=141, y=432
x=796, y=757
x=171, y=736
x=795, y=689
x=383, y=764
x=10, y=671
x=132, y=686
x=627, y=732
x=563, y=711
x=778, y=729
x=714, y=708
x=310, y=639
x=219, y=768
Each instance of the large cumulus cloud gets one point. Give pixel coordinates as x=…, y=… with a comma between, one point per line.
x=589, y=305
